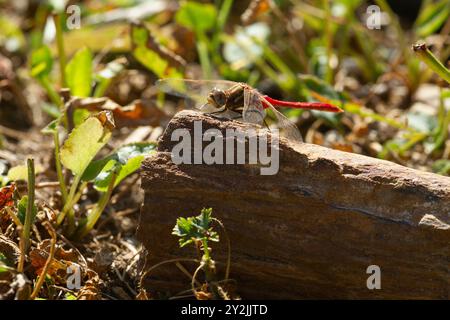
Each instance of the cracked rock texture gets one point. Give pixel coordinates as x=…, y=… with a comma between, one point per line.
x=310, y=231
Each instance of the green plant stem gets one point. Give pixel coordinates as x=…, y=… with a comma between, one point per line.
x=206, y=261
x=328, y=42
x=207, y=264
x=221, y=20
x=227, y=270
x=30, y=204
x=101, y=88
x=206, y=255
x=78, y=195
x=202, y=49
x=148, y=271
x=425, y=55
x=53, y=95
x=62, y=183
x=61, y=51
x=99, y=207
x=70, y=200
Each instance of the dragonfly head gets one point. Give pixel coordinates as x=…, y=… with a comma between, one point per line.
x=217, y=98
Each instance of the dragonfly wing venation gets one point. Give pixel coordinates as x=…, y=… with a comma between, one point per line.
x=253, y=111
x=195, y=92
x=287, y=128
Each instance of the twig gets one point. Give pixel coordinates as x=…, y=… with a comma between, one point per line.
x=227, y=272
x=15, y=134
x=61, y=51
x=183, y=269
x=146, y=273
x=194, y=277
x=14, y=217
x=47, y=184
x=41, y=278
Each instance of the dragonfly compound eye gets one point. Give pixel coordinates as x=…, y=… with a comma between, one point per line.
x=218, y=97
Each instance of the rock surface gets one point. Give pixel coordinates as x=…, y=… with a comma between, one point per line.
x=310, y=231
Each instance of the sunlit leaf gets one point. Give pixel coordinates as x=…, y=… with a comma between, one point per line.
x=11, y=36
x=244, y=46
x=105, y=76
x=124, y=161
x=21, y=172
x=41, y=62
x=79, y=73
x=18, y=173
x=83, y=144
x=97, y=38
x=432, y=18
x=196, y=16
x=152, y=57
x=79, y=115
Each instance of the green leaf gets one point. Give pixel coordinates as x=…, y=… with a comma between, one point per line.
x=148, y=57
x=80, y=115
x=18, y=173
x=51, y=128
x=52, y=110
x=21, y=172
x=83, y=144
x=124, y=161
x=11, y=37
x=253, y=37
x=317, y=85
x=432, y=18
x=41, y=62
x=70, y=296
x=22, y=210
x=106, y=75
x=442, y=166
x=195, y=228
x=79, y=73
x=199, y=17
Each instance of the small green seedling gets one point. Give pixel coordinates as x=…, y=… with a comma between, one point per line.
x=199, y=231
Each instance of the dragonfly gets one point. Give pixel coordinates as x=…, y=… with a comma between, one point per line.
x=237, y=100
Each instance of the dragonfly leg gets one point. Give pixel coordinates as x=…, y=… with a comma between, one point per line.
x=217, y=112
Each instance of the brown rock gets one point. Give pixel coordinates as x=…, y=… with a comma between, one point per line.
x=312, y=230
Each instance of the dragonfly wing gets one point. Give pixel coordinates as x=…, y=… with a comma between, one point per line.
x=287, y=128
x=253, y=111
x=195, y=92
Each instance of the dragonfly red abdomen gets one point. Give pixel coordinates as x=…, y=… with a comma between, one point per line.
x=303, y=105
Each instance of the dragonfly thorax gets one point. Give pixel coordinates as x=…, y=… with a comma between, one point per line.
x=232, y=99
x=217, y=98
